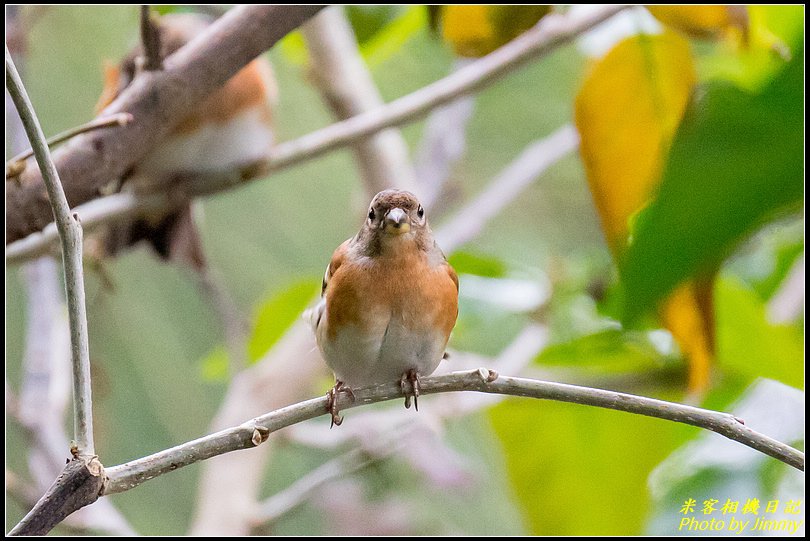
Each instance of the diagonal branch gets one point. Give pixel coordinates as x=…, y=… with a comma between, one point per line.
x=506, y=187
x=158, y=101
x=16, y=165
x=88, y=168
x=340, y=73
x=70, y=233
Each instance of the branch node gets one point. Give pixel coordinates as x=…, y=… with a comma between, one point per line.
x=487, y=375
x=79, y=484
x=260, y=435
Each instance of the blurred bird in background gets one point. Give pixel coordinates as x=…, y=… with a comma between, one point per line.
x=231, y=129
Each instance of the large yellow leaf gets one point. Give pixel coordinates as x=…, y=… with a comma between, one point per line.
x=478, y=30
x=627, y=112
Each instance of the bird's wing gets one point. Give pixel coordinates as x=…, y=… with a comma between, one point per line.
x=337, y=260
x=452, y=273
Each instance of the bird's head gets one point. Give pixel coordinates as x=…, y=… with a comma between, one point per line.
x=394, y=216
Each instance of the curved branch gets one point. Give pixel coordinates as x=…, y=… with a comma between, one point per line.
x=254, y=432
x=158, y=101
x=552, y=32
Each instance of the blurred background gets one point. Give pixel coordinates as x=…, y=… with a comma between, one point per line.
x=541, y=293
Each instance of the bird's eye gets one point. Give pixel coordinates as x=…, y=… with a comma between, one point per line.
x=420, y=212
x=371, y=214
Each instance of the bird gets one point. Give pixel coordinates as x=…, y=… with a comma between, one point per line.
x=231, y=130
x=389, y=301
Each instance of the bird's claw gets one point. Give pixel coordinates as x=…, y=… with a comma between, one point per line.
x=409, y=383
x=332, y=402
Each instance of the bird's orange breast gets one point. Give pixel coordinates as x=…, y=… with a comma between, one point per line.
x=365, y=291
x=251, y=87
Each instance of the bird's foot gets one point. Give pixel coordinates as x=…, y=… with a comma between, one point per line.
x=332, y=401
x=409, y=383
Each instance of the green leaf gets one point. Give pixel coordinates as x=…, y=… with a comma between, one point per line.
x=390, y=38
x=277, y=314
x=612, y=350
x=579, y=470
x=173, y=8
x=736, y=162
x=754, y=62
x=479, y=264
x=747, y=344
x=214, y=366
x=369, y=20
x=784, y=257
x=381, y=31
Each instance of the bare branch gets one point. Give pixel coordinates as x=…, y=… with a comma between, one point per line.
x=70, y=233
x=506, y=187
x=150, y=40
x=549, y=34
x=16, y=165
x=230, y=485
x=158, y=100
x=255, y=431
x=442, y=145
x=45, y=394
x=347, y=87
x=303, y=488
x=78, y=485
x=86, y=168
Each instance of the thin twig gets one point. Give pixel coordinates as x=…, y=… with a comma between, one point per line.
x=506, y=187
x=252, y=433
x=551, y=33
x=229, y=487
x=16, y=165
x=341, y=75
x=150, y=40
x=70, y=233
x=340, y=467
x=45, y=394
x=442, y=146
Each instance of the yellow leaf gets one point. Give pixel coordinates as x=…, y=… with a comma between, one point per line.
x=704, y=21
x=627, y=112
x=475, y=31
x=688, y=314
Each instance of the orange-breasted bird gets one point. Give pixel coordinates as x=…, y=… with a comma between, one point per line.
x=230, y=129
x=389, y=301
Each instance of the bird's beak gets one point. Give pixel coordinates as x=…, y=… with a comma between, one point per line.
x=397, y=222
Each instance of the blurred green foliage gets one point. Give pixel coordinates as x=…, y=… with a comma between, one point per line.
x=275, y=316
x=160, y=372
x=736, y=163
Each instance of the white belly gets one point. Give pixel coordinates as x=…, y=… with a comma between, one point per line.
x=382, y=353
x=213, y=147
